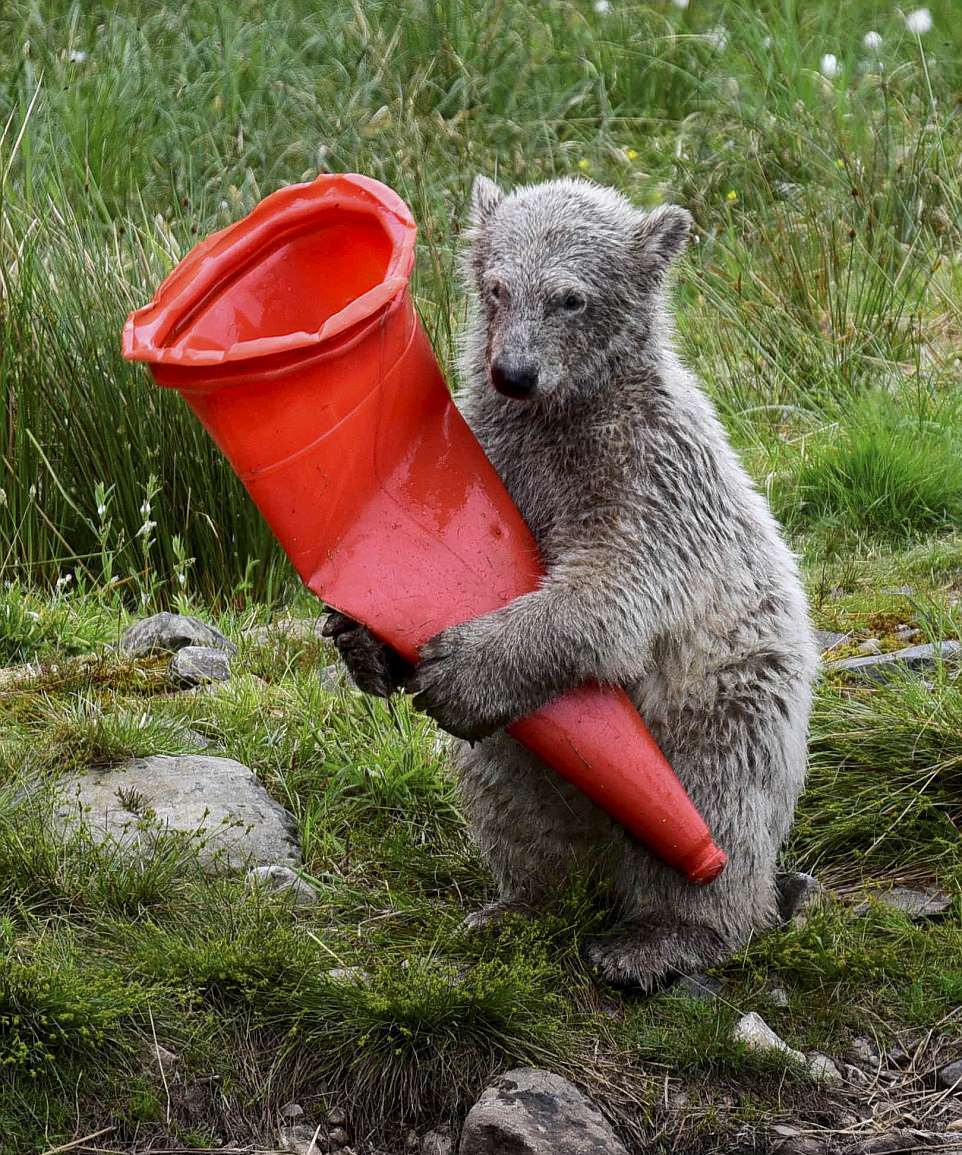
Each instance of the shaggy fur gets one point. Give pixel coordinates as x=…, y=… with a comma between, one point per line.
x=665, y=573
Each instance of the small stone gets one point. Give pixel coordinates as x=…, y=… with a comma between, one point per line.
x=332, y=678
x=822, y=1068
x=338, y=1136
x=795, y=892
x=829, y=640
x=870, y=646
x=855, y=1075
x=293, y=629
x=778, y=996
x=701, y=988
x=919, y=905
x=532, y=1112
x=863, y=1050
x=303, y=1139
x=291, y=1111
x=350, y=976
x=757, y=1035
x=171, y=632
x=337, y=1117
x=282, y=880
x=803, y=1145
x=950, y=1076
x=877, y=667
x=198, y=665
x=436, y=1143
x=907, y=633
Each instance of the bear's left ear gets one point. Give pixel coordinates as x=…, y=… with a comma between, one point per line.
x=660, y=236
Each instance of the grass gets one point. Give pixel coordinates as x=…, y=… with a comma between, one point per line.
x=820, y=305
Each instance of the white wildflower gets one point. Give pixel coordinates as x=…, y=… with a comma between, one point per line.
x=602, y=7
x=146, y=528
x=919, y=21
x=680, y=3
x=872, y=41
x=828, y=66
x=717, y=37
x=77, y=57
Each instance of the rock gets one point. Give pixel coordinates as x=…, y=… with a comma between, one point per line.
x=757, y=1035
x=778, y=996
x=828, y=640
x=235, y=820
x=950, y=1076
x=532, y=1112
x=919, y=905
x=196, y=665
x=907, y=633
x=802, y=1145
x=350, y=976
x=294, y=629
x=303, y=1139
x=291, y=1111
x=338, y=1136
x=171, y=632
x=795, y=892
x=822, y=1068
x=436, y=1143
x=337, y=1117
x=863, y=1050
x=282, y=880
x=876, y=667
x=870, y=646
x=333, y=678
x=855, y=1075
x=702, y=988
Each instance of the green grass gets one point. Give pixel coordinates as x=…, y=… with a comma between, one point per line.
x=820, y=305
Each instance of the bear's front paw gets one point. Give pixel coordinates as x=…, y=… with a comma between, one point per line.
x=452, y=683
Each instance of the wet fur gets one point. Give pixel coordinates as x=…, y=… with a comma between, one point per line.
x=665, y=573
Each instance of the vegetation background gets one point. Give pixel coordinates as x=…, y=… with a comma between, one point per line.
x=818, y=146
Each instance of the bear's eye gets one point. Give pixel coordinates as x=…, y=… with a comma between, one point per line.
x=572, y=301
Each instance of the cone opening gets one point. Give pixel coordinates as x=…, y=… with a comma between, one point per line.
x=308, y=263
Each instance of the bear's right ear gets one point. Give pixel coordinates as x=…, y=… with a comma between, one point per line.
x=485, y=198
x=660, y=236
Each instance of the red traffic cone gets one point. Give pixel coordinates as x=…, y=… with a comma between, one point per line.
x=292, y=336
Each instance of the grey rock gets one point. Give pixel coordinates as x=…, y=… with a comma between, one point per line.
x=821, y=1067
x=532, y=1112
x=950, y=1076
x=304, y=1139
x=349, y=976
x=829, y=640
x=803, y=1145
x=291, y=1111
x=907, y=633
x=234, y=821
x=876, y=667
x=757, y=1035
x=702, y=988
x=197, y=665
x=436, y=1143
x=282, y=880
x=293, y=629
x=864, y=1051
x=919, y=905
x=171, y=632
x=337, y=1117
x=333, y=678
x=855, y=1075
x=338, y=1136
x=779, y=996
x=870, y=646
x=795, y=891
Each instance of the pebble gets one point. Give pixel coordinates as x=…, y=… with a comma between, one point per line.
x=757, y=1035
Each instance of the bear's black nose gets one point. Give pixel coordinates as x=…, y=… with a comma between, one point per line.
x=514, y=378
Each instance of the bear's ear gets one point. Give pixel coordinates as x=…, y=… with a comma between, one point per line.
x=660, y=236
x=485, y=198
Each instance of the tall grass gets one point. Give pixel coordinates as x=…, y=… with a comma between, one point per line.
x=133, y=130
